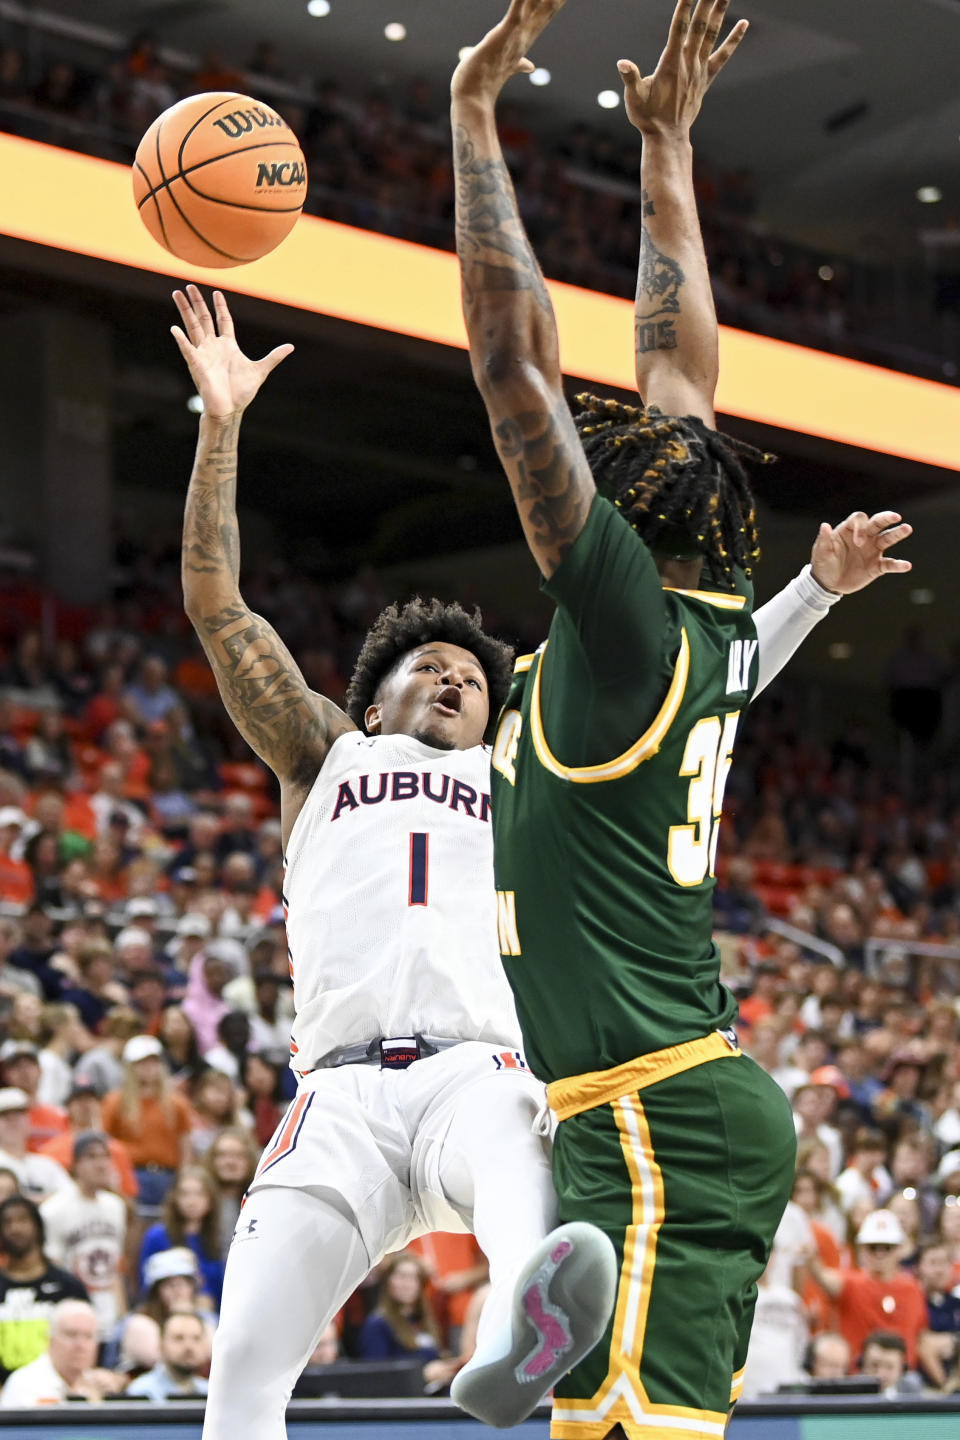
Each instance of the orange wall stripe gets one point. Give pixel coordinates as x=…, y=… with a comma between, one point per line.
x=78, y=203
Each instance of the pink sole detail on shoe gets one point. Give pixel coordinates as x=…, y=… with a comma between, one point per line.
x=547, y=1320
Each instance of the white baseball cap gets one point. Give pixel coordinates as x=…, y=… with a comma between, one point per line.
x=949, y=1165
x=132, y=935
x=142, y=905
x=881, y=1227
x=140, y=1048
x=197, y=925
x=167, y=1263
x=13, y=1049
x=12, y=815
x=13, y=1099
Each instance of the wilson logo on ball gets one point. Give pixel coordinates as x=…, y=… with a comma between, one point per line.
x=242, y=122
x=288, y=172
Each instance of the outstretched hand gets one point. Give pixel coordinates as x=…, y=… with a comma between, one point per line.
x=502, y=53
x=854, y=554
x=668, y=101
x=225, y=378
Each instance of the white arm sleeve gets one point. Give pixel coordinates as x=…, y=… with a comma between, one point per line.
x=786, y=621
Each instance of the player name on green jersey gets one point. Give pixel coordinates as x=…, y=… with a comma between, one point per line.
x=605, y=872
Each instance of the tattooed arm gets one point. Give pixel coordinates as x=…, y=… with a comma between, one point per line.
x=676, y=323
x=287, y=724
x=510, y=322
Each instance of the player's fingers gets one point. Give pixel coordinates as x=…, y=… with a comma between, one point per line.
x=888, y=538
x=857, y=525
x=200, y=310
x=895, y=567
x=190, y=322
x=222, y=310
x=271, y=361
x=679, y=27
x=712, y=25
x=884, y=519
x=629, y=74
x=184, y=346
x=728, y=49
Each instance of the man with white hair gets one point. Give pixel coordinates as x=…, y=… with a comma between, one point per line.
x=110, y=799
x=67, y=1368
x=133, y=951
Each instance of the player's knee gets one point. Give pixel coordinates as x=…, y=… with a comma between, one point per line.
x=238, y=1349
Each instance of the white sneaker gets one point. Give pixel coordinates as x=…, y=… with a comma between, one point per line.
x=562, y=1302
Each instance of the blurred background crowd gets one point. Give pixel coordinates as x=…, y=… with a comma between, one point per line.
x=145, y=997
x=381, y=161
x=145, y=1004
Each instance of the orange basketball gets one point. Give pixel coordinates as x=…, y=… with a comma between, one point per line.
x=219, y=179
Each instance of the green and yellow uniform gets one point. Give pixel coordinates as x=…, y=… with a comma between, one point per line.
x=609, y=768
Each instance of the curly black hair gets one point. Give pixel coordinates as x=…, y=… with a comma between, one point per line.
x=401, y=628
x=681, y=485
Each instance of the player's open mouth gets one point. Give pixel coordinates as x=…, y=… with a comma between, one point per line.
x=449, y=701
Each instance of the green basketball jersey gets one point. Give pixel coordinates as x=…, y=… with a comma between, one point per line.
x=605, y=857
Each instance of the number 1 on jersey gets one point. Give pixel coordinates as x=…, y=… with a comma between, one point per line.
x=419, y=868
x=707, y=756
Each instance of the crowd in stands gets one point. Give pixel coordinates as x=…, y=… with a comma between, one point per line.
x=382, y=162
x=145, y=1005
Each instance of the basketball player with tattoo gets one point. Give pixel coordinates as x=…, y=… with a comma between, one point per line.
x=612, y=753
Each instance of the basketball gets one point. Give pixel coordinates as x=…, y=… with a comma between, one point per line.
x=219, y=179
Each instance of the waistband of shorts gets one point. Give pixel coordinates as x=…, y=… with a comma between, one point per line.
x=367, y=1052
x=576, y=1093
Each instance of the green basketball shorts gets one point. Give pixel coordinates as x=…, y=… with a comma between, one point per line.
x=686, y=1159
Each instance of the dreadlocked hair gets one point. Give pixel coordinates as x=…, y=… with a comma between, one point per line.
x=672, y=475
x=401, y=628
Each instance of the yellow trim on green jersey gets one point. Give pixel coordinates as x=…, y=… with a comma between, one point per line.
x=711, y=597
x=642, y=749
x=523, y=663
x=605, y=1087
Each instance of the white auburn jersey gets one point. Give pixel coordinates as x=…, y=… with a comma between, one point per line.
x=391, y=907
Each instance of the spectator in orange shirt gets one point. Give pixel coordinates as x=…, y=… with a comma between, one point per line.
x=878, y=1295
x=83, y=1117
x=152, y=1120
x=16, y=877
x=20, y=1067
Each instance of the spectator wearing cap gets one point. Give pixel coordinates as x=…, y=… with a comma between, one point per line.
x=878, y=1295
x=30, y=1285
x=192, y=932
x=191, y=1219
x=132, y=952
x=102, y=1066
x=184, y=1353
x=938, y=1348
x=172, y=1284
x=16, y=877
x=84, y=1114
x=66, y=1369
x=866, y=1177
x=151, y=1119
x=86, y=1228
x=20, y=1068
x=64, y=1037
x=38, y=1175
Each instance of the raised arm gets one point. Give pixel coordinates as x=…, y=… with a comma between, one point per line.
x=509, y=317
x=289, y=726
x=676, y=324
